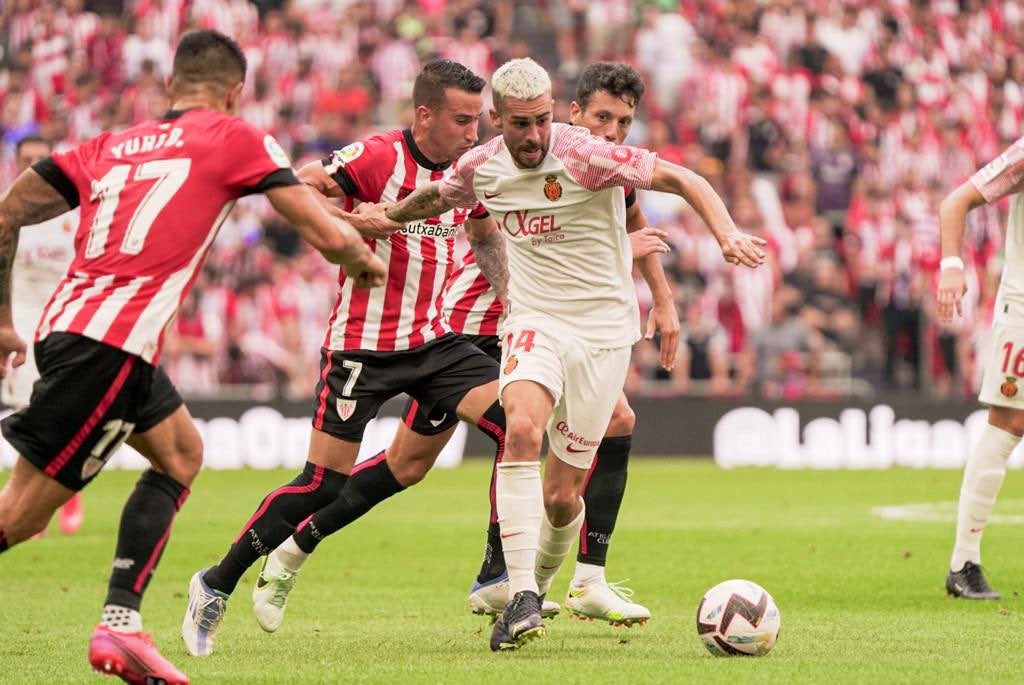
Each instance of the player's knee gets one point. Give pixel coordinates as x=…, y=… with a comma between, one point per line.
x=186, y=460
x=26, y=522
x=623, y=421
x=561, y=502
x=411, y=470
x=522, y=436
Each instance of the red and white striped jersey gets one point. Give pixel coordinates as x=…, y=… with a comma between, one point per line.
x=152, y=198
x=406, y=312
x=470, y=304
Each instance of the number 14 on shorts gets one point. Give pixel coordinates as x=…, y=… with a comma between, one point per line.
x=521, y=342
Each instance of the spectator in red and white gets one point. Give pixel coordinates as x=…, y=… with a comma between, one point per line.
x=51, y=47
x=143, y=46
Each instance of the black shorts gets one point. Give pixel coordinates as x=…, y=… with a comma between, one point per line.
x=354, y=384
x=89, y=398
x=438, y=422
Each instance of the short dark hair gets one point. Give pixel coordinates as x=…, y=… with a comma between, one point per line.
x=439, y=74
x=28, y=140
x=616, y=78
x=207, y=57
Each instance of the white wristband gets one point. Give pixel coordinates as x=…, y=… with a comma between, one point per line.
x=951, y=263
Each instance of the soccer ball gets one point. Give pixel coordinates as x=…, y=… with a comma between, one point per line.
x=738, y=618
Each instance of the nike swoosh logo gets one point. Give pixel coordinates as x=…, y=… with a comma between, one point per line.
x=489, y=196
x=548, y=568
x=437, y=423
x=977, y=530
x=510, y=535
x=569, y=448
x=260, y=582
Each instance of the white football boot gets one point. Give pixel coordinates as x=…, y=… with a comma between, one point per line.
x=270, y=594
x=603, y=601
x=490, y=598
x=203, y=615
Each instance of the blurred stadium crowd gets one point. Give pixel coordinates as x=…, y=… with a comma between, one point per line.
x=831, y=127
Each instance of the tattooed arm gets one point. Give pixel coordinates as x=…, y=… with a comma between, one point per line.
x=489, y=250
x=422, y=203
x=31, y=200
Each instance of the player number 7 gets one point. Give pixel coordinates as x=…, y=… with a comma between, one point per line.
x=169, y=174
x=355, y=368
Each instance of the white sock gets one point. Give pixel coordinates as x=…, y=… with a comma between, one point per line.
x=588, y=574
x=122, y=619
x=983, y=477
x=290, y=556
x=520, y=502
x=553, y=547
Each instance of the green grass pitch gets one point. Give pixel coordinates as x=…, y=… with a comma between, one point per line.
x=862, y=598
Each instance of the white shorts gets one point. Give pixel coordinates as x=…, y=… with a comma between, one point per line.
x=585, y=382
x=1003, y=383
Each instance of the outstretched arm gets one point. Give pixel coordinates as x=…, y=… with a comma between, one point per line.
x=952, y=225
x=422, y=203
x=491, y=256
x=663, y=317
x=31, y=200
x=737, y=247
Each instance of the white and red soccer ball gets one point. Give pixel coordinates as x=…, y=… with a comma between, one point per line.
x=738, y=618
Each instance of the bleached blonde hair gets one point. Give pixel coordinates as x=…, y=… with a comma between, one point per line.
x=522, y=79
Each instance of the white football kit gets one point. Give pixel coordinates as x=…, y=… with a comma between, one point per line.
x=1004, y=365
x=44, y=253
x=573, y=313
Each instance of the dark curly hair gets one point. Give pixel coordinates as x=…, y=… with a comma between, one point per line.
x=617, y=78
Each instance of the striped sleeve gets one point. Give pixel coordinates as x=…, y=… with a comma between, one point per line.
x=597, y=164
x=1003, y=176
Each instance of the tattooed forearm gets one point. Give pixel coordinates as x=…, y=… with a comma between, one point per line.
x=423, y=203
x=492, y=259
x=31, y=200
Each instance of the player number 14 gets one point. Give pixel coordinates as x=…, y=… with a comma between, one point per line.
x=169, y=174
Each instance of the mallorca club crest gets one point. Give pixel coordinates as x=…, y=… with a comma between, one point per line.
x=346, y=408
x=1009, y=387
x=552, y=188
x=510, y=364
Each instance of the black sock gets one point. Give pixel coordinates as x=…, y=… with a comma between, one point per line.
x=603, y=496
x=276, y=518
x=3, y=542
x=370, y=483
x=145, y=526
x=492, y=424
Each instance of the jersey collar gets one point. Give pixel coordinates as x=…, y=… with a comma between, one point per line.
x=176, y=113
x=421, y=158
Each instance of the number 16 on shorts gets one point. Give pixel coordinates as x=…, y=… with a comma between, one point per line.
x=1005, y=368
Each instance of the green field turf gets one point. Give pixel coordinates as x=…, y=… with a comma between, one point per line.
x=862, y=598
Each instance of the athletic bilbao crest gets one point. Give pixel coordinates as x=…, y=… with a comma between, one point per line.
x=552, y=188
x=1009, y=387
x=346, y=408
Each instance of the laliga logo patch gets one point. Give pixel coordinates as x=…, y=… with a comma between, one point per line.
x=350, y=153
x=346, y=408
x=510, y=365
x=1009, y=387
x=552, y=188
x=276, y=152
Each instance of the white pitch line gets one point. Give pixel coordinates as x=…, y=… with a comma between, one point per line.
x=945, y=512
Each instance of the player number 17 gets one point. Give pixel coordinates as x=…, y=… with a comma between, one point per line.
x=169, y=174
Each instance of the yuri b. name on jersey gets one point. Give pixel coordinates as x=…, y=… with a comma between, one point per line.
x=140, y=144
